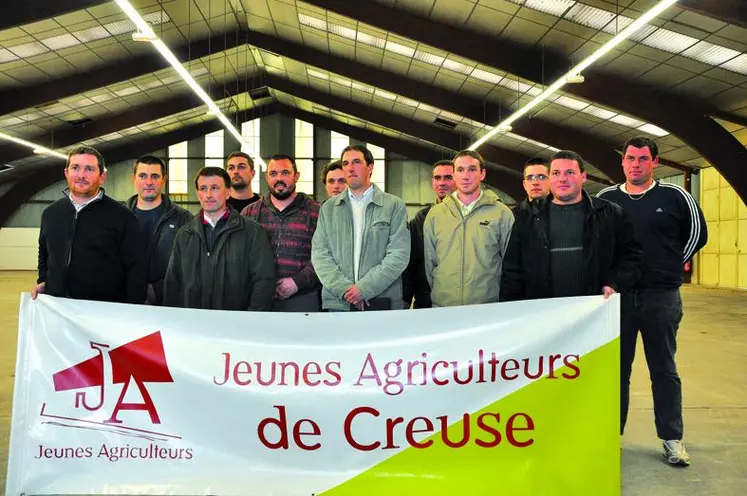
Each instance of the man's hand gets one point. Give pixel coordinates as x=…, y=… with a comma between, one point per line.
x=354, y=296
x=608, y=291
x=285, y=288
x=37, y=290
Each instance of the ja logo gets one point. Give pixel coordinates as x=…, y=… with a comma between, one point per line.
x=138, y=362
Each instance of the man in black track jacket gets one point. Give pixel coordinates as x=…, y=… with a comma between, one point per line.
x=159, y=220
x=671, y=229
x=89, y=244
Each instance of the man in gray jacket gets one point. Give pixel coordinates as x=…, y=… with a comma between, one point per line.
x=361, y=244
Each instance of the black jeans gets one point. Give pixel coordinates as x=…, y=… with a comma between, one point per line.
x=656, y=313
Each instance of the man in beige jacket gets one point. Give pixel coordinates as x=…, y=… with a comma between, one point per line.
x=465, y=239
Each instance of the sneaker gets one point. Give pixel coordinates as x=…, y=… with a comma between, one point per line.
x=675, y=453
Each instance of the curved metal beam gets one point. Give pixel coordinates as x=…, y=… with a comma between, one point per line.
x=686, y=118
x=34, y=178
x=129, y=118
x=495, y=177
x=28, y=11
x=596, y=150
x=15, y=99
x=447, y=139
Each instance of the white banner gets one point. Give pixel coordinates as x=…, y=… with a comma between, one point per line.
x=123, y=399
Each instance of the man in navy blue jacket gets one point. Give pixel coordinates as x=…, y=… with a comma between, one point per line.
x=671, y=228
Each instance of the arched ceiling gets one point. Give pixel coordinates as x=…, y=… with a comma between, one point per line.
x=420, y=77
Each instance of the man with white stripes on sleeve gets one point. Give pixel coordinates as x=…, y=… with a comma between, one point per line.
x=671, y=228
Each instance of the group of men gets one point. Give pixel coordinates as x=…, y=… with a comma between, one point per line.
x=357, y=252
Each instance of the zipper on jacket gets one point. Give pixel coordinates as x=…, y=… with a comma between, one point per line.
x=72, y=238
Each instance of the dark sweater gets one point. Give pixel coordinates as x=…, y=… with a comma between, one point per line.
x=670, y=227
x=566, y=249
x=414, y=282
x=95, y=254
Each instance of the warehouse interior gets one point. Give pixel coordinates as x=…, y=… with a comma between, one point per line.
x=416, y=81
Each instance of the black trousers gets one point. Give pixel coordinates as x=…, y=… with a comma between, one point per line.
x=656, y=313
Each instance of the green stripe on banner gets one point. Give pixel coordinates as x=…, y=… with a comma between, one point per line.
x=576, y=448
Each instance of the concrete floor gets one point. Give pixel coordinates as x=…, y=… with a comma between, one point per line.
x=713, y=365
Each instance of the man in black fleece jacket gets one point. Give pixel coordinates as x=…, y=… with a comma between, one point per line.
x=159, y=220
x=89, y=246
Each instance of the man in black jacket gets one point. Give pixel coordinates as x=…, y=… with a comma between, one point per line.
x=159, y=220
x=671, y=228
x=414, y=282
x=536, y=180
x=569, y=244
x=89, y=244
x=220, y=260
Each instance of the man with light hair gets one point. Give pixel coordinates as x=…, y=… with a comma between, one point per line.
x=465, y=238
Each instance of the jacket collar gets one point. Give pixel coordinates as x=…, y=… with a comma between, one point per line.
x=544, y=203
x=298, y=203
x=131, y=202
x=487, y=198
x=377, y=198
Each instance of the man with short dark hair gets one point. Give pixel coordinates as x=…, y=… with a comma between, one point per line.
x=159, y=220
x=289, y=218
x=240, y=167
x=465, y=238
x=414, y=282
x=361, y=245
x=89, y=244
x=333, y=178
x=536, y=180
x=569, y=244
x=671, y=228
x=220, y=260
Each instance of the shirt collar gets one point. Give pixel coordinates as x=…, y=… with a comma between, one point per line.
x=366, y=196
x=455, y=195
x=79, y=207
x=207, y=221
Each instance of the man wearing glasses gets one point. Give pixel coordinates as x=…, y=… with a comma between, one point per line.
x=569, y=244
x=536, y=180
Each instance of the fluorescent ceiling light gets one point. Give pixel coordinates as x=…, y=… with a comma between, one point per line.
x=362, y=87
x=317, y=74
x=710, y=53
x=486, y=76
x=737, y=64
x=669, y=41
x=554, y=7
x=343, y=31
x=590, y=16
x=626, y=121
x=7, y=56
x=144, y=27
x=456, y=66
x=577, y=69
x=429, y=58
x=38, y=149
x=385, y=94
x=399, y=49
x=603, y=114
x=313, y=22
x=28, y=49
x=569, y=102
x=653, y=130
x=662, y=39
x=368, y=39
x=62, y=41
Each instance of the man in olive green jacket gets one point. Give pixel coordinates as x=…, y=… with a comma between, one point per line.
x=465, y=238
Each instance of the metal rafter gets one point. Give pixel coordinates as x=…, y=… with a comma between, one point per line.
x=686, y=118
